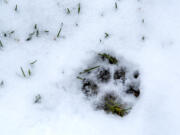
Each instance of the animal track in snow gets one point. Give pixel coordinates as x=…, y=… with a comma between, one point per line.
x=112, y=83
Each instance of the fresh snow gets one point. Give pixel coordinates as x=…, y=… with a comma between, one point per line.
x=63, y=109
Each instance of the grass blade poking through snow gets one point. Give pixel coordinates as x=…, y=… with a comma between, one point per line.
x=2, y=84
x=34, y=33
x=32, y=63
x=23, y=73
x=79, y=8
x=106, y=35
x=30, y=36
x=1, y=45
x=36, y=30
x=143, y=38
x=59, y=32
x=111, y=59
x=68, y=11
x=16, y=8
x=29, y=72
x=80, y=78
x=37, y=99
x=89, y=69
x=115, y=5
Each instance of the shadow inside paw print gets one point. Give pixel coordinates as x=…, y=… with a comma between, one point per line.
x=89, y=87
x=103, y=75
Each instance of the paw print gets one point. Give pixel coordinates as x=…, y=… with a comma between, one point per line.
x=109, y=81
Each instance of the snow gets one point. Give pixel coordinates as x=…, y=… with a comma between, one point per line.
x=63, y=109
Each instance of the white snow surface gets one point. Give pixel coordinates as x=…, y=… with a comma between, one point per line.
x=63, y=109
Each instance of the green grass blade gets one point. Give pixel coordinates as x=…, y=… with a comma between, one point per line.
x=23, y=73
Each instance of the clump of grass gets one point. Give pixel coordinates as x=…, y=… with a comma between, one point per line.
x=79, y=8
x=37, y=99
x=111, y=59
x=59, y=32
x=112, y=105
x=115, y=108
x=29, y=73
x=36, y=32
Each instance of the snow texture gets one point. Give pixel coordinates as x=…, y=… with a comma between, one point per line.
x=39, y=92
